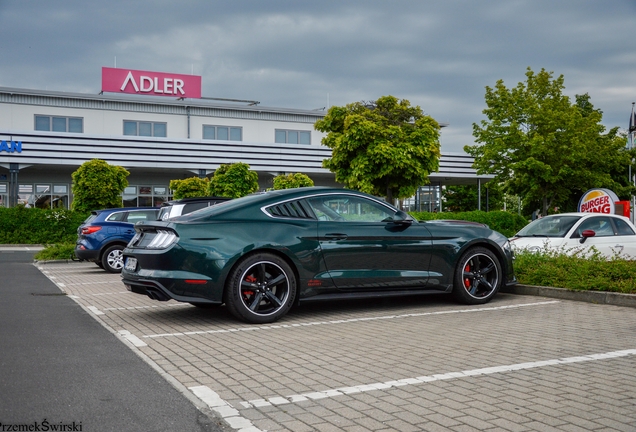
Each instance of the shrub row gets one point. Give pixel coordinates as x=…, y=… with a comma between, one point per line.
x=506, y=223
x=20, y=225
x=593, y=273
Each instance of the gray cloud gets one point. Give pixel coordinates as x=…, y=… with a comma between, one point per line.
x=438, y=54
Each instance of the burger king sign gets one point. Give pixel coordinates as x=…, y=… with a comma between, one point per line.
x=598, y=201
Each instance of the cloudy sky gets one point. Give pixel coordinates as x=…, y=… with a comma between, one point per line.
x=438, y=54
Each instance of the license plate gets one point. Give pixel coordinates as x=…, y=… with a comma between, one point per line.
x=131, y=264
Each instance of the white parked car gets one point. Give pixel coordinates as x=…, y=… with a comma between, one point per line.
x=578, y=234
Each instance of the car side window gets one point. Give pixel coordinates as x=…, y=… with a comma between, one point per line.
x=116, y=217
x=601, y=225
x=345, y=208
x=622, y=228
x=143, y=215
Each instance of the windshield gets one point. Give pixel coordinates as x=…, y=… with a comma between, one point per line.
x=549, y=226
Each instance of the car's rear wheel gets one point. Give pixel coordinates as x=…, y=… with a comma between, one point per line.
x=260, y=289
x=478, y=276
x=113, y=259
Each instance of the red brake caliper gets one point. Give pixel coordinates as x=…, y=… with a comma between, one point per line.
x=249, y=279
x=466, y=280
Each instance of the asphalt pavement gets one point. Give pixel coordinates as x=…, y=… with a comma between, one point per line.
x=60, y=369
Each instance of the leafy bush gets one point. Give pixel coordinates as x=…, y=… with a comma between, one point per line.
x=98, y=185
x=56, y=252
x=22, y=225
x=189, y=188
x=233, y=181
x=506, y=223
x=291, y=181
x=593, y=273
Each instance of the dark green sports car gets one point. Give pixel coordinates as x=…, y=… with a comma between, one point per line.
x=264, y=253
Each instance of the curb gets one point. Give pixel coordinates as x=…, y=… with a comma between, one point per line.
x=21, y=247
x=59, y=261
x=598, y=297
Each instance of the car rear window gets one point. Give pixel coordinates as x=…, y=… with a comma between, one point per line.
x=90, y=218
x=189, y=208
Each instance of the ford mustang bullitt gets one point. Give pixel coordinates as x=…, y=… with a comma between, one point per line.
x=264, y=253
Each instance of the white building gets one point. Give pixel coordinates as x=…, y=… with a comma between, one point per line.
x=46, y=135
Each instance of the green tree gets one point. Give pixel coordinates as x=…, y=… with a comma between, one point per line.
x=291, y=181
x=189, y=188
x=233, y=181
x=542, y=146
x=386, y=147
x=465, y=198
x=98, y=185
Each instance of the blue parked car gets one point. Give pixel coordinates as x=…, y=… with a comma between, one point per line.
x=105, y=233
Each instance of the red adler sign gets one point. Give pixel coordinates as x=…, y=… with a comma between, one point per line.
x=150, y=83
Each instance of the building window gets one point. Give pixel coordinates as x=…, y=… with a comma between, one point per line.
x=4, y=196
x=59, y=124
x=224, y=133
x=145, y=196
x=149, y=129
x=284, y=136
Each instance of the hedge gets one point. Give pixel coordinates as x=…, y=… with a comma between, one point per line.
x=506, y=223
x=20, y=225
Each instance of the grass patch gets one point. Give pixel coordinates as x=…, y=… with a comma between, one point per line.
x=592, y=273
x=56, y=252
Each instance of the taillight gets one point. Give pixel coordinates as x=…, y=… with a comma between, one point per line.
x=90, y=229
x=162, y=239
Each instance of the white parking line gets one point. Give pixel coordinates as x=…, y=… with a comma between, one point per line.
x=352, y=320
x=224, y=409
x=132, y=338
x=280, y=400
x=95, y=310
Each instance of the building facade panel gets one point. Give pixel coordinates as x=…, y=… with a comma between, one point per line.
x=35, y=161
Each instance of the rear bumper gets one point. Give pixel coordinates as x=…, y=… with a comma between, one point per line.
x=156, y=291
x=86, y=254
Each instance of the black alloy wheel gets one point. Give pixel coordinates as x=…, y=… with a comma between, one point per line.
x=260, y=289
x=477, y=276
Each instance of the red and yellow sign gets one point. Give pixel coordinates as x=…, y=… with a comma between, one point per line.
x=598, y=201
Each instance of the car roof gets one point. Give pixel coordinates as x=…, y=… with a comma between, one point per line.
x=194, y=199
x=113, y=210
x=583, y=214
x=271, y=197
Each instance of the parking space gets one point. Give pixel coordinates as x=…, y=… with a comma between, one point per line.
x=519, y=363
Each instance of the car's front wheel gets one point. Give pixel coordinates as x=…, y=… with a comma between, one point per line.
x=260, y=289
x=113, y=259
x=478, y=276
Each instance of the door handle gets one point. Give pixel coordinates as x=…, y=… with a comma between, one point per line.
x=335, y=236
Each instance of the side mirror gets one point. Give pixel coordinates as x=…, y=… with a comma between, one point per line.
x=585, y=234
x=402, y=218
